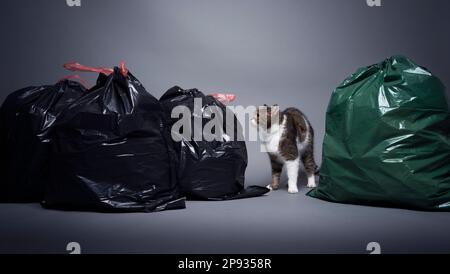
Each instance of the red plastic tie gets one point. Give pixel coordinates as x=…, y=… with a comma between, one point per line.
x=224, y=98
x=74, y=66
x=123, y=69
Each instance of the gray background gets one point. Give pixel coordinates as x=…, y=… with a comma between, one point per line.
x=290, y=52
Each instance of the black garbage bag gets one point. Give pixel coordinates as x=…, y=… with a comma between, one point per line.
x=209, y=170
x=110, y=152
x=26, y=117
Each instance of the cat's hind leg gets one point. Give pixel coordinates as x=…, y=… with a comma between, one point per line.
x=292, y=173
x=310, y=167
x=277, y=168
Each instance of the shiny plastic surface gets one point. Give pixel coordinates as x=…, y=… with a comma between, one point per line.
x=387, y=140
x=209, y=170
x=110, y=151
x=26, y=117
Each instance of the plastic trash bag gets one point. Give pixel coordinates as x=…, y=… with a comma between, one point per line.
x=209, y=170
x=387, y=139
x=26, y=117
x=110, y=151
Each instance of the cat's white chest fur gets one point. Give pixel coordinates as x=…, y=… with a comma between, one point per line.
x=271, y=139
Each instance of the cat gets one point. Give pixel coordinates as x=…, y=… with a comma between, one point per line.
x=288, y=138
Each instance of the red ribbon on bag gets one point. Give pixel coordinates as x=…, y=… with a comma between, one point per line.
x=223, y=97
x=74, y=66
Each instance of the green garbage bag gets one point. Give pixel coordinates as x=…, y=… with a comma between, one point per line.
x=387, y=140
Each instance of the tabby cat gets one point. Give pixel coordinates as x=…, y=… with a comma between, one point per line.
x=288, y=138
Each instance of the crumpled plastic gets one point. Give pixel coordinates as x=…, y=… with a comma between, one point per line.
x=26, y=116
x=110, y=151
x=209, y=170
x=387, y=140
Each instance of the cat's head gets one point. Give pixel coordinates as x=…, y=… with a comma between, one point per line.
x=266, y=116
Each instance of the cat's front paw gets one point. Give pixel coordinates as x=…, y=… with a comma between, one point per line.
x=293, y=190
x=311, y=185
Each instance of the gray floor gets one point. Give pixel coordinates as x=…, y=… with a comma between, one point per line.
x=277, y=223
